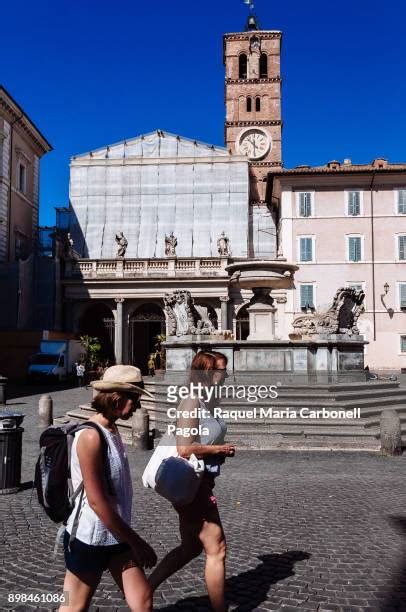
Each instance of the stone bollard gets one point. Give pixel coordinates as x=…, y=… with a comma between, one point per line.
x=391, y=440
x=3, y=392
x=140, y=429
x=45, y=411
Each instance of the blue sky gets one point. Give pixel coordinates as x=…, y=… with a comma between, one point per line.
x=93, y=73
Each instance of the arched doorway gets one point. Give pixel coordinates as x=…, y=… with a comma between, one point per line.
x=98, y=321
x=146, y=322
x=242, y=324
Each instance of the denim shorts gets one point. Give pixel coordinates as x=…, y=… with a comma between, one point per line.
x=81, y=558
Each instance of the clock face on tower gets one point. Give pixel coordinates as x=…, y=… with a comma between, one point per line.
x=254, y=143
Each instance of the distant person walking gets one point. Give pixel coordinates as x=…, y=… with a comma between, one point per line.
x=199, y=522
x=101, y=516
x=80, y=374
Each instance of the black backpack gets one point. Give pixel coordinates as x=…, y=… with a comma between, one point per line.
x=52, y=470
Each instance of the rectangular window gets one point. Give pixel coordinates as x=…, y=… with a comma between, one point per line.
x=402, y=247
x=21, y=177
x=402, y=295
x=354, y=203
x=403, y=344
x=354, y=248
x=305, y=204
x=306, y=249
x=306, y=297
x=356, y=286
x=402, y=202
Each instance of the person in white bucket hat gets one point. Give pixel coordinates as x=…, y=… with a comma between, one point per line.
x=102, y=536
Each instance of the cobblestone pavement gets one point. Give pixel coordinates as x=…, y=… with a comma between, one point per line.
x=305, y=531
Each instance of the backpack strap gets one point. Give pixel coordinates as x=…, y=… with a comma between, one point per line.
x=105, y=447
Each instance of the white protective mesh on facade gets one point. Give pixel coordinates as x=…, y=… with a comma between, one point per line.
x=153, y=185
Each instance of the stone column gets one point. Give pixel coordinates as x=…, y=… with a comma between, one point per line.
x=118, y=336
x=224, y=299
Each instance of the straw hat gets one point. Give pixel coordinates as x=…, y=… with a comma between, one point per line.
x=121, y=378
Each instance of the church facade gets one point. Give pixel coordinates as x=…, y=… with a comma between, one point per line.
x=160, y=212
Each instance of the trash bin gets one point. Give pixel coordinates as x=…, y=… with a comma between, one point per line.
x=3, y=394
x=11, y=437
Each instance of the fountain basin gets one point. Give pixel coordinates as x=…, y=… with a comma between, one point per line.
x=272, y=274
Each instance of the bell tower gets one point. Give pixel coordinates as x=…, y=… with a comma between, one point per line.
x=253, y=122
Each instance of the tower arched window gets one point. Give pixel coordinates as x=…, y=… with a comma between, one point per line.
x=242, y=66
x=258, y=104
x=249, y=104
x=263, y=66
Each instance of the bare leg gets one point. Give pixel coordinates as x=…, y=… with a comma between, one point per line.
x=132, y=582
x=212, y=538
x=79, y=590
x=179, y=556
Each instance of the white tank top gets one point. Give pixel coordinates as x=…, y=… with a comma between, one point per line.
x=90, y=529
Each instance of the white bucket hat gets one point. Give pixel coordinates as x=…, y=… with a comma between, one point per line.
x=121, y=378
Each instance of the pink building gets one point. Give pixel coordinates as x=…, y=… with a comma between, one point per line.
x=345, y=224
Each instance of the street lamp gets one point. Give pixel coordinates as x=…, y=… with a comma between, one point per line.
x=386, y=288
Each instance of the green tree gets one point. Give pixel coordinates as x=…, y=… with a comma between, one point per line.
x=92, y=347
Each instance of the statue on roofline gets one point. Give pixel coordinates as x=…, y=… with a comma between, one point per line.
x=171, y=243
x=122, y=243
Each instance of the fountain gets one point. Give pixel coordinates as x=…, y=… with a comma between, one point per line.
x=323, y=347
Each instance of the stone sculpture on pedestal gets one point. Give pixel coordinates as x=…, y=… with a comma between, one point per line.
x=171, y=243
x=223, y=245
x=184, y=317
x=122, y=243
x=340, y=318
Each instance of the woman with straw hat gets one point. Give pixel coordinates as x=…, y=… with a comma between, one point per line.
x=104, y=538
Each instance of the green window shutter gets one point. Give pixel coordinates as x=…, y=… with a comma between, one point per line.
x=403, y=344
x=306, y=296
x=354, y=203
x=402, y=296
x=402, y=201
x=402, y=247
x=306, y=251
x=305, y=204
x=354, y=245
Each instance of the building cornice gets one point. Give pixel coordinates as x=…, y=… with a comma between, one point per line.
x=20, y=118
x=276, y=79
x=142, y=161
x=262, y=34
x=252, y=123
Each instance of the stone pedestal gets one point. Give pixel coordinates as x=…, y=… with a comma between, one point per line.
x=261, y=315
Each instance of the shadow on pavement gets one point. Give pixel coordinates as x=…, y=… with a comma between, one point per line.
x=396, y=599
x=15, y=390
x=246, y=591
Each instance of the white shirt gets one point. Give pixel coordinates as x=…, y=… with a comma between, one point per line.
x=90, y=529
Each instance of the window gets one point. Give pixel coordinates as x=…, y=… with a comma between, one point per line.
x=305, y=204
x=257, y=104
x=354, y=248
x=356, y=286
x=242, y=66
x=306, y=248
x=263, y=66
x=353, y=203
x=401, y=201
x=403, y=344
x=402, y=296
x=249, y=105
x=306, y=297
x=21, y=177
x=402, y=247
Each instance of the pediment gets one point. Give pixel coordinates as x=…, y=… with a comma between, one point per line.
x=156, y=145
